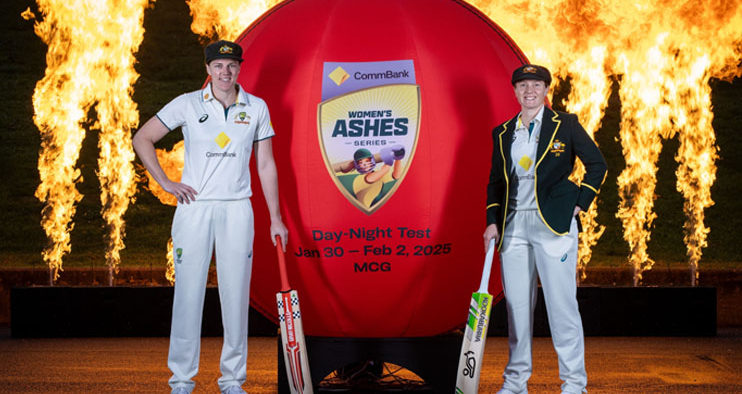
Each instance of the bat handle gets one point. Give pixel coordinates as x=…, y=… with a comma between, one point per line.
x=487, y=267
x=282, y=265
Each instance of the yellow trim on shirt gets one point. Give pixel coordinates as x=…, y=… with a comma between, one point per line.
x=590, y=187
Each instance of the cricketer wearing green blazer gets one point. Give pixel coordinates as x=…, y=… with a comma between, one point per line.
x=562, y=140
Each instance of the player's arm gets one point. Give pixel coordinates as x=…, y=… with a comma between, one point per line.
x=349, y=165
x=268, y=174
x=495, y=190
x=397, y=169
x=490, y=233
x=374, y=176
x=144, y=144
x=393, y=156
x=595, y=166
x=343, y=166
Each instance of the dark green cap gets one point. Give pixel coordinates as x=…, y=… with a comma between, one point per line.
x=223, y=49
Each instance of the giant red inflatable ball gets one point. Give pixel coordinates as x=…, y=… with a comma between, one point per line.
x=383, y=112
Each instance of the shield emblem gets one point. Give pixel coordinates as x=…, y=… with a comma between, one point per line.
x=368, y=139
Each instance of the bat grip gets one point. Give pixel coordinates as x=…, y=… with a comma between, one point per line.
x=487, y=267
x=282, y=265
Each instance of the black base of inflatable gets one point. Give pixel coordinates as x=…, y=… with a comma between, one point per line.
x=433, y=359
x=37, y=312
x=145, y=311
x=629, y=311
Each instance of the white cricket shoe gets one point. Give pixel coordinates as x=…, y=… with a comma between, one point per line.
x=234, y=390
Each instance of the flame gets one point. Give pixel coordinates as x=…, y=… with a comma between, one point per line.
x=696, y=155
x=591, y=88
x=89, y=61
x=643, y=116
x=170, y=272
x=225, y=19
x=663, y=54
x=172, y=163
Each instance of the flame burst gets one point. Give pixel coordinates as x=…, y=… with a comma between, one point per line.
x=172, y=163
x=225, y=19
x=696, y=156
x=89, y=61
x=664, y=66
x=591, y=88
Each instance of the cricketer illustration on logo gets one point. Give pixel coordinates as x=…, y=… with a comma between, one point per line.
x=368, y=128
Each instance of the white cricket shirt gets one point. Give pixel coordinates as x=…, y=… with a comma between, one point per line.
x=523, y=154
x=218, y=143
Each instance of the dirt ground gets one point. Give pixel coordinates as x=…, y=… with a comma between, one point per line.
x=138, y=365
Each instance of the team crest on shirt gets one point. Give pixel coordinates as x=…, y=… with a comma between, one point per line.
x=242, y=118
x=368, y=128
x=557, y=148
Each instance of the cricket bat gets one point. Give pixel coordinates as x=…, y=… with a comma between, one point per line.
x=292, y=332
x=475, y=335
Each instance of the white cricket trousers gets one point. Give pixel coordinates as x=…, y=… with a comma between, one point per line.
x=198, y=228
x=529, y=249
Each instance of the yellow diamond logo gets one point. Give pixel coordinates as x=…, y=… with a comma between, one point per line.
x=339, y=76
x=525, y=162
x=222, y=140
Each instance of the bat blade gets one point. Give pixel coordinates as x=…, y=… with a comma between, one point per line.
x=295, y=358
x=472, y=348
x=475, y=332
x=292, y=337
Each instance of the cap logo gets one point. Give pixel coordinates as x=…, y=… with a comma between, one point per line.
x=225, y=49
x=529, y=69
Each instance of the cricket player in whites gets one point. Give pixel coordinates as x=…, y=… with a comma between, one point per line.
x=222, y=125
x=532, y=212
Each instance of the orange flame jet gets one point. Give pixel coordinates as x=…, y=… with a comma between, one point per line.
x=90, y=64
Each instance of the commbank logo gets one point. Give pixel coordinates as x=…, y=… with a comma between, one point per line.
x=222, y=140
x=339, y=76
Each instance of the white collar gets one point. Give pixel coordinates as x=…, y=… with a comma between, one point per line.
x=538, y=118
x=242, y=97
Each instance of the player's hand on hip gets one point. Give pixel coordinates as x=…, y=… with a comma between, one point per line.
x=577, y=210
x=490, y=233
x=181, y=191
x=278, y=228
